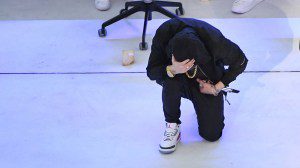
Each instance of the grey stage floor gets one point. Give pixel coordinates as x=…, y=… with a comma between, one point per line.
x=66, y=101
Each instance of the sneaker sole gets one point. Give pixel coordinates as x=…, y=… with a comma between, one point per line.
x=169, y=150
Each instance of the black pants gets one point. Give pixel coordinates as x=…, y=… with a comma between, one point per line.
x=209, y=108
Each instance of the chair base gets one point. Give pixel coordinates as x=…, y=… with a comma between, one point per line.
x=148, y=8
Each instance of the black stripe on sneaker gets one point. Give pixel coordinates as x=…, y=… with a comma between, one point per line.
x=167, y=147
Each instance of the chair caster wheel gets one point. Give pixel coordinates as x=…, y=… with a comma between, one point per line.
x=179, y=11
x=102, y=32
x=122, y=11
x=143, y=46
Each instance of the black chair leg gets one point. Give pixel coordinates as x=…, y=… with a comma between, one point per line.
x=164, y=11
x=179, y=11
x=143, y=44
x=150, y=15
x=119, y=17
x=133, y=3
x=169, y=4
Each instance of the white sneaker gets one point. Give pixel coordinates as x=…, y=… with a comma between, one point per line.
x=243, y=6
x=102, y=4
x=170, y=139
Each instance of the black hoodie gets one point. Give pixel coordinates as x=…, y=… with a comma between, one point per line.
x=220, y=51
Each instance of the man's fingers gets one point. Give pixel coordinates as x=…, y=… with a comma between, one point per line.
x=190, y=64
x=200, y=81
x=187, y=67
x=184, y=62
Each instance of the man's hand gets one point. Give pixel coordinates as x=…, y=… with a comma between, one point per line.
x=181, y=67
x=220, y=85
x=207, y=88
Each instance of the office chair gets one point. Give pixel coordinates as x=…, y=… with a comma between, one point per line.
x=148, y=6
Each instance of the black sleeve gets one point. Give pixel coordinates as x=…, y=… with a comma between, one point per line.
x=234, y=58
x=158, y=60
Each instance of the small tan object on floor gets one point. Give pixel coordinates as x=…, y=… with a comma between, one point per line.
x=128, y=57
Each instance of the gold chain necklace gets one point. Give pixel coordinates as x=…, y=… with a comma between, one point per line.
x=194, y=74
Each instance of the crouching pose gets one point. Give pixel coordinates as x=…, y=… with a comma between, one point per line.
x=187, y=59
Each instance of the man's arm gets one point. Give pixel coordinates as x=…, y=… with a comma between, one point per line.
x=158, y=59
x=230, y=54
x=234, y=57
x=157, y=63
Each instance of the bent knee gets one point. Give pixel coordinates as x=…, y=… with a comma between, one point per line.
x=211, y=136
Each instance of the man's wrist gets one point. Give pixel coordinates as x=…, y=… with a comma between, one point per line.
x=170, y=72
x=219, y=86
x=214, y=91
x=172, y=69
